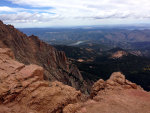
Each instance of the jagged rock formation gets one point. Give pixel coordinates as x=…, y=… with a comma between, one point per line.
x=31, y=50
x=117, y=95
x=116, y=81
x=23, y=90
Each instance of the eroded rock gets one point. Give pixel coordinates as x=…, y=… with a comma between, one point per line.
x=116, y=81
x=117, y=95
x=23, y=90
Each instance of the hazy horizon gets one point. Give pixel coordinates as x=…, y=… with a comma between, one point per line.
x=116, y=26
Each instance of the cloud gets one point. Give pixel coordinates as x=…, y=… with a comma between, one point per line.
x=28, y=17
x=22, y=15
x=10, y=9
x=70, y=8
x=79, y=10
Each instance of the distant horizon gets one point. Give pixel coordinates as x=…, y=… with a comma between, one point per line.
x=93, y=26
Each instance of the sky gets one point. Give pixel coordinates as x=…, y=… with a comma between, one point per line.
x=61, y=13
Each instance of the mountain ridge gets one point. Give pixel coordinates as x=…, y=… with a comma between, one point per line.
x=32, y=50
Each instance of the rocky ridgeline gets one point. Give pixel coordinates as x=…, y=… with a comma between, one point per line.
x=116, y=95
x=31, y=50
x=23, y=90
x=116, y=81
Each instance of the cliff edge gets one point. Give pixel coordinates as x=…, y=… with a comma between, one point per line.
x=31, y=50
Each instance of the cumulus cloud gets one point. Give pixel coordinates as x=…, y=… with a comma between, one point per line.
x=77, y=9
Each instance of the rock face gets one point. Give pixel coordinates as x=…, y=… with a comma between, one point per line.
x=117, y=95
x=31, y=50
x=23, y=90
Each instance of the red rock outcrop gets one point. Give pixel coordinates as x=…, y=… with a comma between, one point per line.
x=117, y=95
x=116, y=81
x=31, y=50
x=23, y=90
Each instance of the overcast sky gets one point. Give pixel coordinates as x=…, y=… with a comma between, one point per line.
x=49, y=13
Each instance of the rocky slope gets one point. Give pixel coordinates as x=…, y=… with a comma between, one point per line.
x=23, y=90
x=31, y=50
x=117, y=95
